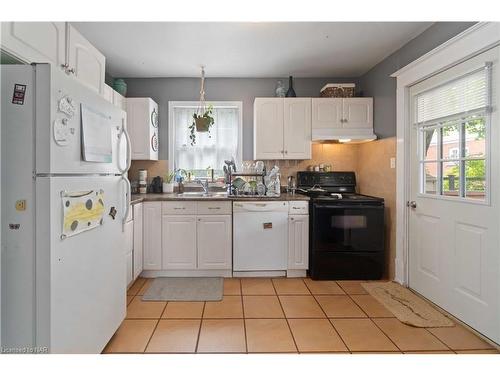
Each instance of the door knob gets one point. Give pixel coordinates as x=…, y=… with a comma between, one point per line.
x=412, y=204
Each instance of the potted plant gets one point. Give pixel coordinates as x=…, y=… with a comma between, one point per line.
x=201, y=123
x=168, y=182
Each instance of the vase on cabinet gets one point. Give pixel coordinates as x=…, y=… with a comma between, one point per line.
x=280, y=89
x=291, y=92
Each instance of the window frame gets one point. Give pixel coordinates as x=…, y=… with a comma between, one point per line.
x=190, y=104
x=462, y=159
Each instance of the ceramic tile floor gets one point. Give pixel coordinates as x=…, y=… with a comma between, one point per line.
x=280, y=316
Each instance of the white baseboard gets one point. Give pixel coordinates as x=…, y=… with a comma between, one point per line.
x=187, y=273
x=296, y=273
x=259, y=273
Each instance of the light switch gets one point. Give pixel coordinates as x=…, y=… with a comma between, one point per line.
x=393, y=163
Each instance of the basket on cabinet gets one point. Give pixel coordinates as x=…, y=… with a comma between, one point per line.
x=338, y=90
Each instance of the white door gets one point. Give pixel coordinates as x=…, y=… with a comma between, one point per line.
x=268, y=128
x=297, y=128
x=152, y=235
x=326, y=113
x=298, y=242
x=214, y=242
x=357, y=113
x=138, y=238
x=88, y=63
x=454, y=252
x=41, y=42
x=179, y=242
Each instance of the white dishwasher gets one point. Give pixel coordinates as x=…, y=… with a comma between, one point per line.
x=260, y=236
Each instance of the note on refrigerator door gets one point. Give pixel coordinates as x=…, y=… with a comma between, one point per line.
x=96, y=136
x=82, y=211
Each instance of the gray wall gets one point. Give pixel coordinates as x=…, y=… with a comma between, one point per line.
x=378, y=83
x=163, y=90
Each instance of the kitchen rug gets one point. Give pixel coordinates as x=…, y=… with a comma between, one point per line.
x=407, y=306
x=185, y=289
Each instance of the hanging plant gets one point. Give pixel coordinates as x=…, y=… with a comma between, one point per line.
x=202, y=119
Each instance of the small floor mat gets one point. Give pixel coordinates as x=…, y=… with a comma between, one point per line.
x=407, y=306
x=185, y=289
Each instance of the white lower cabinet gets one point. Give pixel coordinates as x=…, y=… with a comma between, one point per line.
x=152, y=239
x=298, y=242
x=214, y=236
x=178, y=242
x=138, y=238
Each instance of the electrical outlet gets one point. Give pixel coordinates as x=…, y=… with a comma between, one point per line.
x=393, y=163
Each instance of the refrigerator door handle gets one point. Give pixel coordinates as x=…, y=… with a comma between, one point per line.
x=128, y=163
x=128, y=199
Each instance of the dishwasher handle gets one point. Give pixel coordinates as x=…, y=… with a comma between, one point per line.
x=260, y=207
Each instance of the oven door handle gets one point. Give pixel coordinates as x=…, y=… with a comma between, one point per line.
x=361, y=206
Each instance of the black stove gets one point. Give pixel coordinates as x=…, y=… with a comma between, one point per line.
x=346, y=229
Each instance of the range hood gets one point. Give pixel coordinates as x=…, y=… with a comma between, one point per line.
x=343, y=135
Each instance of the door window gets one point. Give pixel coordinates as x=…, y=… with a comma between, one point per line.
x=453, y=127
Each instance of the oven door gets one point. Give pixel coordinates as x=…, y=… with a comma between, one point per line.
x=347, y=228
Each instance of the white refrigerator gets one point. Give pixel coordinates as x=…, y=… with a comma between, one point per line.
x=64, y=157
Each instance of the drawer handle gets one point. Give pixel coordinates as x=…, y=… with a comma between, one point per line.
x=214, y=208
x=179, y=208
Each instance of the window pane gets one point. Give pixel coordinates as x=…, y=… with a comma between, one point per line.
x=430, y=142
x=475, y=131
x=451, y=178
x=451, y=141
x=210, y=149
x=475, y=179
x=429, y=171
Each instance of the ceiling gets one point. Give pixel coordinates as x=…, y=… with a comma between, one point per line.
x=257, y=49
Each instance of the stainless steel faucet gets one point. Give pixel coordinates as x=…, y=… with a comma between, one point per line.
x=204, y=184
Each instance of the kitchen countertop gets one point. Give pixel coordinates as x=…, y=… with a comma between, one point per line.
x=152, y=197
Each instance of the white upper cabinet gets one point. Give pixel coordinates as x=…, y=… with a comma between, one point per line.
x=282, y=128
x=108, y=93
x=119, y=100
x=358, y=113
x=326, y=113
x=342, y=118
x=297, y=128
x=42, y=42
x=268, y=128
x=88, y=64
x=142, y=125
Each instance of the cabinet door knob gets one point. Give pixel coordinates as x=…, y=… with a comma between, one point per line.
x=286, y=152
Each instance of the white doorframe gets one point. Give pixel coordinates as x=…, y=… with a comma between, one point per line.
x=471, y=42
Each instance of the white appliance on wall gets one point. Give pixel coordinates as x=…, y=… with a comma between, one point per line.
x=65, y=154
x=142, y=114
x=260, y=238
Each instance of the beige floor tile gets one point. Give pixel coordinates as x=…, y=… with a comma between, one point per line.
x=136, y=286
x=480, y=351
x=301, y=307
x=408, y=338
x=139, y=309
x=232, y=287
x=129, y=299
x=269, y=336
x=222, y=336
x=145, y=287
x=174, y=336
x=459, y=338
x=362, y=335
x=257, y=286
x=262, y=307
x=131, y=337
x=371, y=306
x=316, y=335
x=229, y=307
x=340, y=307
x=183, y=310
x=323, y=287
x=352, y=286
x=290, y=286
